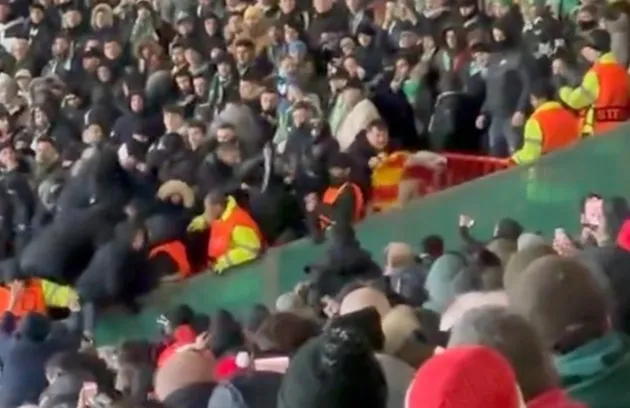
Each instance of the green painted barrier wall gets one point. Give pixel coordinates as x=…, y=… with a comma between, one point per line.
x=542, y=196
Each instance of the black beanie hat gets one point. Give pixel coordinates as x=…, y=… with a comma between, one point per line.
x=509, y=229
x=182, y=314
x=599, y=40
x=226, y=334
x=335, y=370
x=366, y=321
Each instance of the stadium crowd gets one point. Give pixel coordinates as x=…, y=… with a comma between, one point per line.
x=143, y=142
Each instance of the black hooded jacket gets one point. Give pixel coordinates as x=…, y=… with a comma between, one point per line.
x=117, y=272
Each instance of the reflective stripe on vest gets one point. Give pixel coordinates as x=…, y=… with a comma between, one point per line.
x=611, y=106
x=332, y=194
x=177, y=252
x=220, y=241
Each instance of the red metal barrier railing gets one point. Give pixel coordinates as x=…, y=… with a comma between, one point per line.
x=459, y=169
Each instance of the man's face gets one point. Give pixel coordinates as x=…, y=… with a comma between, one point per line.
x=584, y=15
x=247, y=90
x=183, y=83
x=231, y=156
x=104, y=74
x=112, y=50
x=481, y=58
x=144, y=13
x=40, y=118
x=451, y=39
x=223, y=69
x=287, y=6
x=195, y=136
x=200, y=86
x=192, y=56
x=243, y=55
x=212, y=211
x=100, y=19
x=354, y=5
x=347, y=46
x=20, y=48
x=251, y=21
x=136, y=103
x=60, y=46
x=92, y=134
x=90, y=64
x=225, y=135
x=44, y=152
x=72, y=18
x=364, y=40
x=498, y=10
x=210, y=26
x=300, y=117
x=269, y=101
x=172, y=121
x=466, y=11
x=408, y=39
x=275, y=34
x=185, y=27
x=5, y=125
x=177, y=56
x=289, y=66
x=7, y=157
x=378, y=138
x=36, y=15
x=290, y=34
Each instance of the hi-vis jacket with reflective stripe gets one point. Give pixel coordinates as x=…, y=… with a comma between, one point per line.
x=602, y=98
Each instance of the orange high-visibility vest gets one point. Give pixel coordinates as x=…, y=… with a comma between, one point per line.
x=332, y=194
x=386, y=179
x=177, y=252
x=560, y=127
x=32, y=299
x=611, y=106
x=221, y=231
